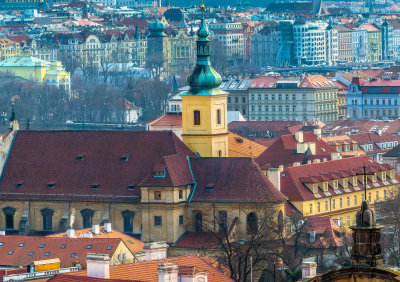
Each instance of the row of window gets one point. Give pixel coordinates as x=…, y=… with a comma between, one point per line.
x=339, y=204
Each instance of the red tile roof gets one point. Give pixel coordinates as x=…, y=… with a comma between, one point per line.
x=20, y=38
x=292, y=178
x=231, y=180
x=70, y=278
x=370, y=27
x=283, y=151
x=346, y=125
x=113, y=159
x=147, y=270
x=263, y=129
x=264, y=82
x=199, y=239
x=21, y=255
x=174, y=120
x=316, y=81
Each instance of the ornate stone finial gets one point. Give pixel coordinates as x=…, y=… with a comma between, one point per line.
x=365, y=217
x=13, y=116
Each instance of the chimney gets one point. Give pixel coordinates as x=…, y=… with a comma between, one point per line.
x=312, y=147
x=296, y=164
x=167, y=272
x=336, y=156
x=318, y=132
x=316, y=161
x=2, y=232
x=274, y=175
x=312, y=236
x=299, y=136
x=309, y=161
x=324, y=159
x=98, y=265
x=308, y=270
x=301, y=148
x=107, y=227
x=155, y=250
x=71, y=233
x=96, y=229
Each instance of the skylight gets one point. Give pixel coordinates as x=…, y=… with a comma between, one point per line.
x=47, y=254
x=63, y=246
x=30, y=253
x=109, y=247
x=21, y=245
x=10, y=252
x=89, y=247
x=42, y=245
x=125, y=157
x=80, y=157
x=131, y=187
x=73, y=255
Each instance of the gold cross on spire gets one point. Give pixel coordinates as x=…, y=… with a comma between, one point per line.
x=202, y=5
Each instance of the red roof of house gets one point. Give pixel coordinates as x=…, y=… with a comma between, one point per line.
x=20, y=38
x=344, y=126
x=293, y=178
x=263, y=129
x=70, y=278
x=231, y=180
x=172, y=120
x=200, y=239
x=283, y=151
x=76, y=160
x=370, y=27
x=373, y=138
x=264, y=82
x=23, y=250
x=147, y=270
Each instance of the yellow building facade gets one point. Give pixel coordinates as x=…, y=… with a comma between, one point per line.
x=37, y=70
x=9, y=48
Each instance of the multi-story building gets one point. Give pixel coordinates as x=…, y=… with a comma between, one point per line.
x=182, y=51
x=238, y=98
x=309, y=98
x=374, y=98
x=396, y=40
x=37, y=70
x=387, y=41
x=344, y=43
x=360, y=44
x=265, y=46
x=309, y=42
x=230, y=35
x=248, y=30
x=137, y=3
x=331, y=38
x=8, y=48
x=286, y=44
x=374, y=43
x=335, y=188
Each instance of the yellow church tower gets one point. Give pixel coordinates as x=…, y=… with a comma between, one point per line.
x=204, y=106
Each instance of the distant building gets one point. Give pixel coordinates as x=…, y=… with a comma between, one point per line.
x=344, y=43
x=9, y=48
x=309, y=98
x=387, y=41
x=230, y=35
x=396, y=40
x=374, y=43
x=37, y=70
x=238, y=98
x=373, y=98
x=360, y=44
x=265, y=46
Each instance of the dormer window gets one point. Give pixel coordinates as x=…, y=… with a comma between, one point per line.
x=157, y=195
x=373, y=178
x=335, y=183
x=131, y=187
x=80, y=157
x=345, y=182
x=20, y=184
x=355, y=181
x=160, y=173
x=391, y=174
x=325, y=185
x=125, y=158
x=383, y=175
x=210, y=187
x=315, y=188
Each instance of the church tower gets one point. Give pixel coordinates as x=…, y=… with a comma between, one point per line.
x=204, y=106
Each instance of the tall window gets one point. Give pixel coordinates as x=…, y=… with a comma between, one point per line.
x=9, y=217
x=128, y=220
x=218, y=116
x=223, y=221
x=252, y=224
x=280, y=221
x=196, y=117
x=198, y=221
x=47, y=215
x=87, y=216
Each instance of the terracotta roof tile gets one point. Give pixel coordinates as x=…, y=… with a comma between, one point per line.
x=74, y=160
x=173, y=120
x=239, y=146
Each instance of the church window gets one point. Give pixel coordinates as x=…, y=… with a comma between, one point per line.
x=280, y=221
x=9, y=217
x=157, y=220
x=157, y=195
x=222, y=221
x=252, y=224
x=198, y=221
x=196, y=117
x=218, y=116
x=47, y=215
x=87, y=216
x=128, y=220
x=181, y=220
x=180, y=194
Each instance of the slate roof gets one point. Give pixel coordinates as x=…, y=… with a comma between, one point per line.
x=26, y=249
x=76, y=160
x=394, y=153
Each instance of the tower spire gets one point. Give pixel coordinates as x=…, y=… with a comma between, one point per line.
x=13, y=119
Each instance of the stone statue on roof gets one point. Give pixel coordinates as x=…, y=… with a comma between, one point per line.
x=72, y=218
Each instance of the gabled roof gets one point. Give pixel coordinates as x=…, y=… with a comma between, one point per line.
x=394, y=153
x=284, y=151
x=23, y=250
x=75, y=160
x=239, y=146
x=147, y=270
x=238, y=180
x=263, y=129
x=293, y=178
x=170, y=120
x=133, y=244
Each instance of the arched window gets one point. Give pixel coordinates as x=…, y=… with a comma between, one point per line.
x=252, y=224
x=196, y=117
x=198, y=221
x=47, y=215
x=128, y=220
x=87, y=216
x=219, y=153
x=9, y=217
x=280, y=221
x=218, y=116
